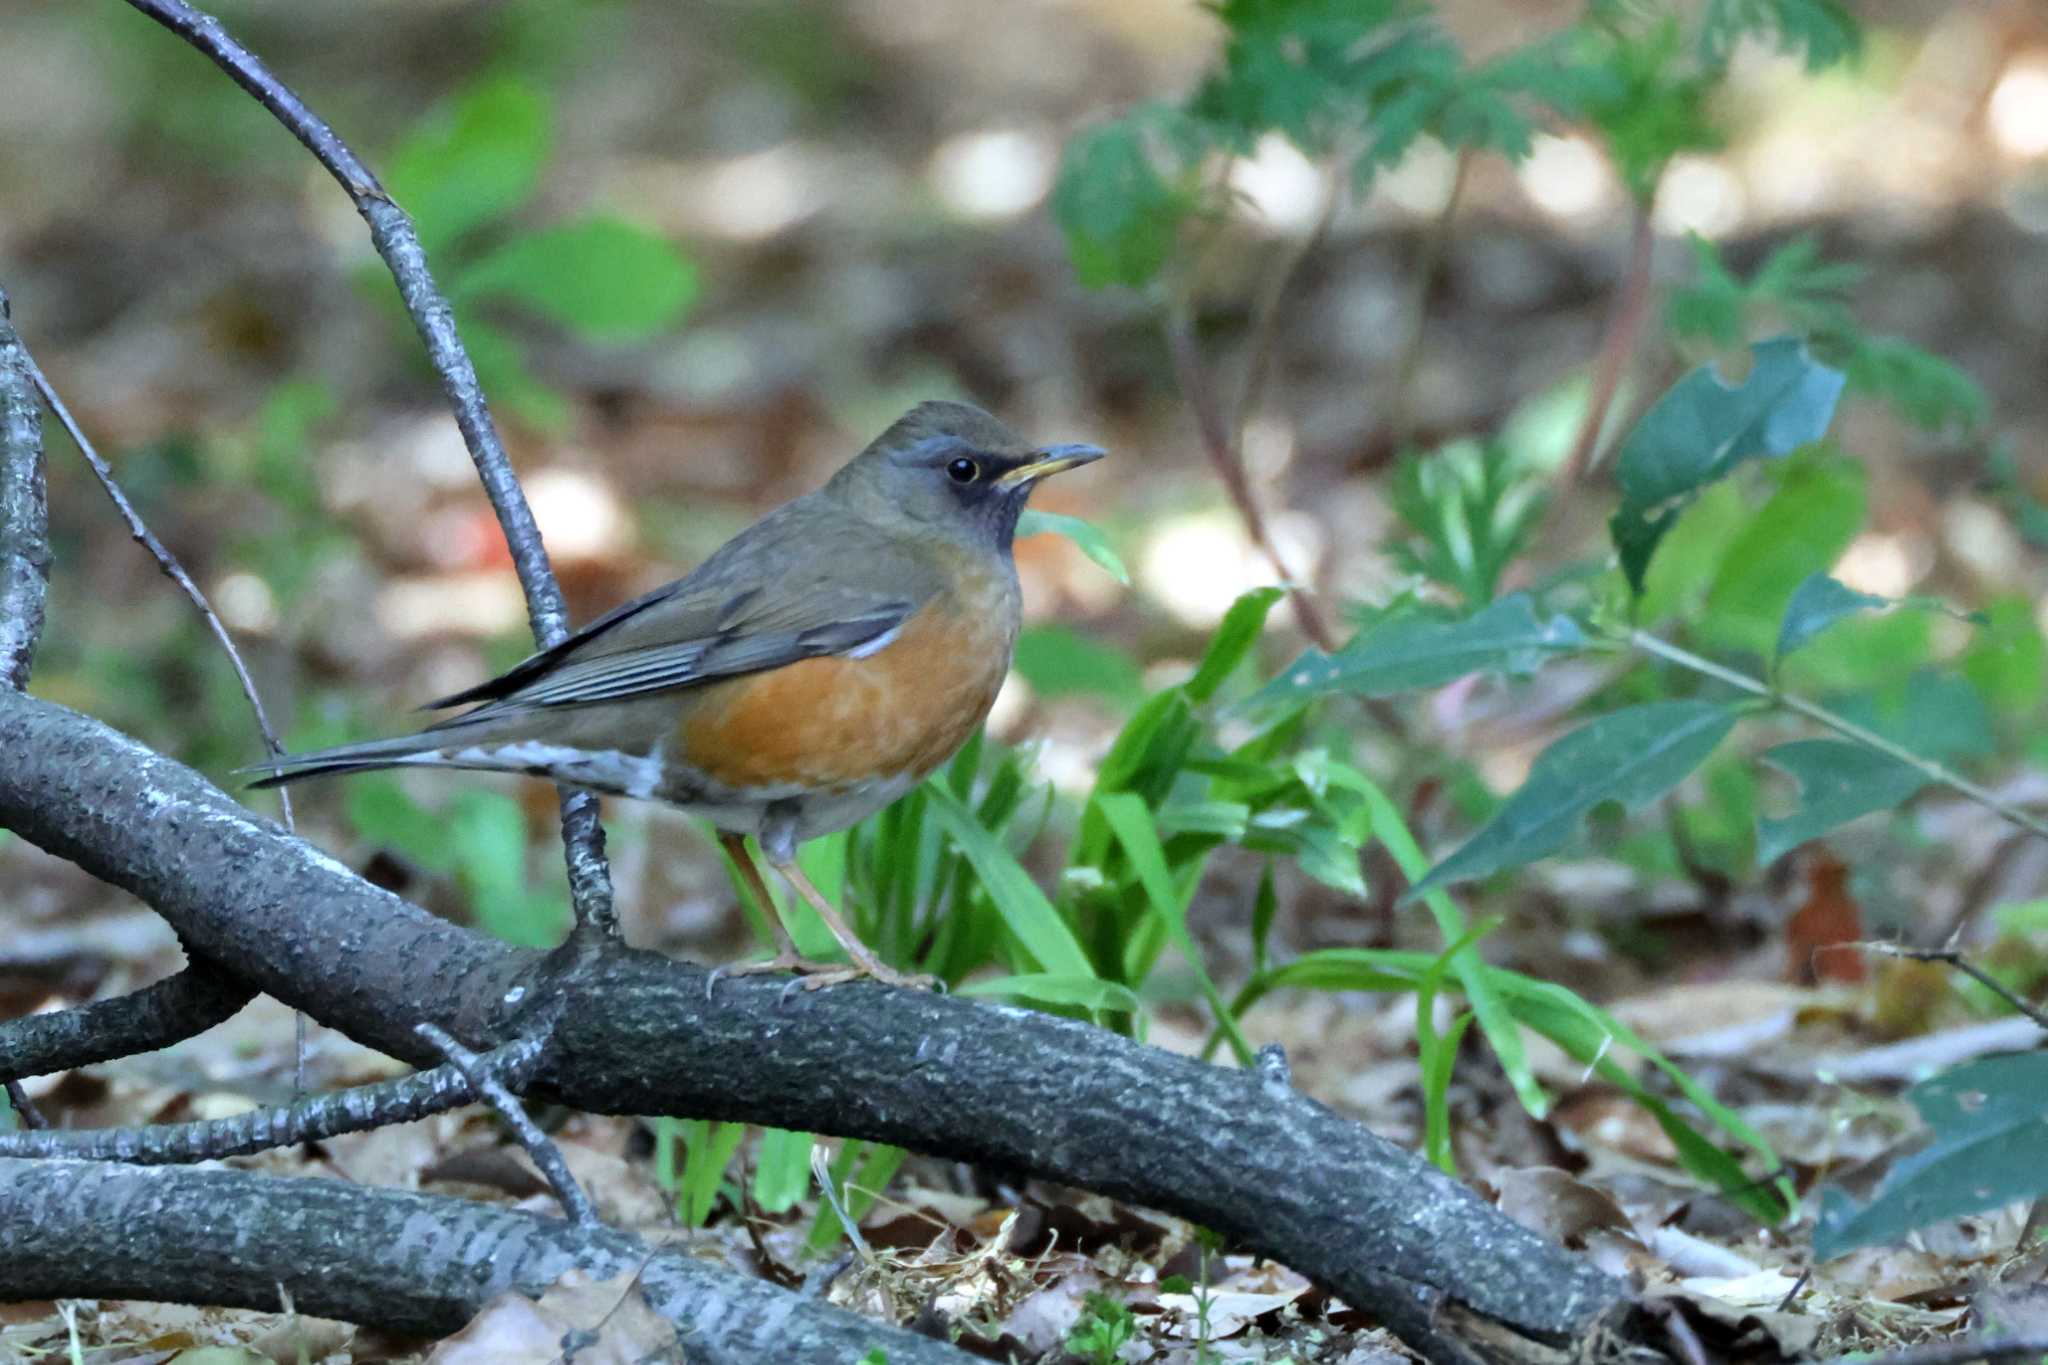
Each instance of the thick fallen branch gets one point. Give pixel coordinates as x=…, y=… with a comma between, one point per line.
x=401, y=1261
x=1240, y=1152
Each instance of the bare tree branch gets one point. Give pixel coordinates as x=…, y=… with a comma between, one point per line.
x=175, y=1008
x=1265, y=1166
x=354, y=1110
x=391, y=230
x=24, y=512
x=405, y=1262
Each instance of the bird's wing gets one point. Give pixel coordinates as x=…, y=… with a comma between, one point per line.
x=716, y=623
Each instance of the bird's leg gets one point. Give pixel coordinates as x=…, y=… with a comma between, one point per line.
x=786, y=958
x=865, y=963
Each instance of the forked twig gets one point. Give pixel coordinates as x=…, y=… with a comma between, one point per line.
x=354, y=1110
x=392, y=232
x=1951, y=957
x=484, y=1076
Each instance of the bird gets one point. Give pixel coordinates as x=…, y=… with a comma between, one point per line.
x=813, y=669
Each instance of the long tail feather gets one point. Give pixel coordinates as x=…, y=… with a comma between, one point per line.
x=405, y=751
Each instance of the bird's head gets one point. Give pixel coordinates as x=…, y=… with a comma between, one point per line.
x=952, y=468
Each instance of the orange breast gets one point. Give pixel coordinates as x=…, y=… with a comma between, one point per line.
x=834, y=723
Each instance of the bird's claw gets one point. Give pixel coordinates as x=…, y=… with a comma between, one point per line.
x=816, y=976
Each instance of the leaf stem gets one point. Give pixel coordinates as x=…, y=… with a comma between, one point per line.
x=1631, y=306
x=1847, y=729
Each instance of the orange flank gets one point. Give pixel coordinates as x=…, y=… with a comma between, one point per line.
x=838, y=723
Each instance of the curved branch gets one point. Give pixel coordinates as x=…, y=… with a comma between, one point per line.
x=1237, y=1151
x=24, y=512
x=391, y=230
x=169, y=1011
x=81, y=1229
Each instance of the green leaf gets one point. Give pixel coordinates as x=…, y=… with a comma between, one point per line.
x=1131, y=821
x=475, y=157
x=1024, y=909
x=1506, y=637
x=1088, y=992
x=1990, y=1124
x=1838, y=782
x=2008, y=662
x=708, y=1149
x=603, y=278
x=1123, y=191
x=1825, y=30
x=1631, y=756
x=1800, y=531
x=1085, y=535
x=1704, y=427
x=1058, y=661
x=1233, y=640
x=1818, y=603
x=782, y=1169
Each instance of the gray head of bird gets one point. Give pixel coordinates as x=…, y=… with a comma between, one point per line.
x=952, y=469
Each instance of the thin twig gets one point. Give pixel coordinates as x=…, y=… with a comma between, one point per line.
x=1624, y=324
x=1272, y=293
x=1400, y=410
x=355, y=1110
x=1987, y=1350
x=165, y=561
x=1952, y=958
x=392, y=232
x=24, y=512
x=483, y=1076
x=24, y=1108
x=1848, y=729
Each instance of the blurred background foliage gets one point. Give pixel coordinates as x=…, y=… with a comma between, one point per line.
x=701, y=253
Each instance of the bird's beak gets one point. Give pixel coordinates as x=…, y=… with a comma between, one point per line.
x=1051, y=460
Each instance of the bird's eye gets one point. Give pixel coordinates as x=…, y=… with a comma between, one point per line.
x=963, y=470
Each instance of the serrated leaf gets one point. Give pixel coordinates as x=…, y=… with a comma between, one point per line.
x=1824, y=30
x=1705, y=427
x=1506, y=637
x=1631, y=756
x=1122, y=193
x=1990, y=1123
x=601, y=277
x=475, y=157
x=1838, y=782
x=1818, y=603
x=1086, y=536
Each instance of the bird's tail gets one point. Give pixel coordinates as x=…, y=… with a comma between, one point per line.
x=443, y=748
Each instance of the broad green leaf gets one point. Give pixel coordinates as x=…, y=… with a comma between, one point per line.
x=2008, y=661
x=1934, y=713
x=1990, y=1124
x=1058, y=661
x=475, y=157
x=1023, y=907
x=1233, y=639
x=782, y=1169
x=1704, y=427
x=1085, y=535
x=1838, y=782
x=1131, y=821
x=1631, y=756
x=1088, y=992
x=602, y=278
x=1801, y=530
x=1818, y=603
x=1506, y=637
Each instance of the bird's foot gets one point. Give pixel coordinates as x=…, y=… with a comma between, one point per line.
x=815, y=976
